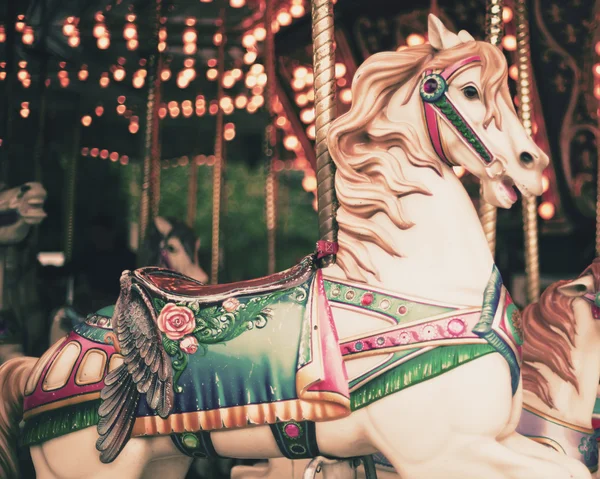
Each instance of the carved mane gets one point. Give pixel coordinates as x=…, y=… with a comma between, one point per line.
x=549, y=330
x=369, y=178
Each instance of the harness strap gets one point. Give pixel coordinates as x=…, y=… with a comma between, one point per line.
x=195, y=444
x=296, y=440
x=437, y=103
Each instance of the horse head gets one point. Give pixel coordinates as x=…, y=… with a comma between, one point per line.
x=20, y=209
x=176, y=248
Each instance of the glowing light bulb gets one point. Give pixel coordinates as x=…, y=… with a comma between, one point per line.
x=340, y=70
x=250, y=57
x=545, y=183
x=99, y=110
x=138, y=81
x=509, y=42
x=346, y=95
x=83, y=75
x=309, y=183
x=260, y=33
x=119, y=74
x=415, y=39
x=291, y=142
x=103, y=43
x=301, y=72
x=311, y=132
x=248, y=40
x=132, y=44
x=237, y=3
x=307, y=115
x=28, y=36
x=513, y=72
x=546, y=210
x=190, y=36
x=297, y=11
x=74, y=41
x=241, y=101
x=284, y=18
x=134, y=128
x=165, y=75
x=68, y=29
x=507, y=14
x=86, y=120
x=129, y=31
x=190, y=48
x=100, y=30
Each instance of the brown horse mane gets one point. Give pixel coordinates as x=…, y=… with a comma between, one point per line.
x=549, y=330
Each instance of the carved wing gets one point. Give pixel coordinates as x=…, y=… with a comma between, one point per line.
x=146, y=370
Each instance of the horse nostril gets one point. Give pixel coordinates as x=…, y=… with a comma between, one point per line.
x=526, y=158
x=25, y=188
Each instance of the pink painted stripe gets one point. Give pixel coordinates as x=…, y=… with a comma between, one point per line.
x=41, y=397
x=454, y=327
x=433, y=130
x=451, y=70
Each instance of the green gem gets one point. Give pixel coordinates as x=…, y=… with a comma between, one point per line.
x=597, y=299
x=190, y=441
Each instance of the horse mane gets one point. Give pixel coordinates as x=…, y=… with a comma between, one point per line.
x=369, y=178
x=549, y=330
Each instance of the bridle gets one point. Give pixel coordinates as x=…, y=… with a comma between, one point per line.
x=437, y=104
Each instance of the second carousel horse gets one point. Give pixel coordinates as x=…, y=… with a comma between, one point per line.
x=21, y=316
x=415, y=354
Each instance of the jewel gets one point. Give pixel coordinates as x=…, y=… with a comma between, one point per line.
x=358, y=346
x=402, y=310
x=456, y=327
x=367, y=299
x=350, y=295
x=297, y=449
x=335, y=292
x=430, y=86
x=385, y=304
x=597, y=299
x=292, y=430
x=381, y=341
x=190, y=441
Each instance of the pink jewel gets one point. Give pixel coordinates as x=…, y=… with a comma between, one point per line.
x=367, y=299
x=292, y=430
x=456, y=327
x=402, y=310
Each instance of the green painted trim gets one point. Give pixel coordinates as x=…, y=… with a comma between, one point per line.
x=426, y=366
x=396, y=357
x=107, y=311
x=61, y=421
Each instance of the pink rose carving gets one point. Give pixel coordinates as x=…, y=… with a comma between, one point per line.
x=189, y=344
x=231, y=305
x=176, y=321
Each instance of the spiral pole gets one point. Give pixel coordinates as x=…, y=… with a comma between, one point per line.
x=151, y=168
x=192, y=193
x=218, y=168
x=524, y=84
x=270, y=139
x=325, y=108
x=488, y=214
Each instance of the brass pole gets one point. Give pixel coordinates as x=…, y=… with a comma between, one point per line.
x=218, y=168
x=494, y=31
x=192, y=198
x=325, y=108
x=530, y=226
x=151, y=155
x=155, y=164
x=70, y=191
x=270, y=138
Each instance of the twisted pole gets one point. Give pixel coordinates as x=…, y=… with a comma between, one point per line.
x=488, y=214
x=270, y=139
x=218, y=168
x=151, y=155
x=524, y=84
x=325, y=108
x=192, y=198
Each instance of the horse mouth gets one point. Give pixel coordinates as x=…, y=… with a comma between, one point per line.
x=508, y=190
x=34, y=212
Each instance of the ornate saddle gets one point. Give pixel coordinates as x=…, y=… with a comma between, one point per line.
x=178, y=284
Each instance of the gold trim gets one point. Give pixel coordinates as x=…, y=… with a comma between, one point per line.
x=560, y=422
x=55, y=363
x=546, y=441
x=240, y=417
x=62, y=403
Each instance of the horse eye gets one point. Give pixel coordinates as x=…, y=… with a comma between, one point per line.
x=170, y=249
x=471, y=93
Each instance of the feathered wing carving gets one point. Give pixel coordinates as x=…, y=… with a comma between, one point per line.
x=146, y=369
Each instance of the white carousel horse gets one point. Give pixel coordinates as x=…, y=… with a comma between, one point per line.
x=21, y=208
x=170, y=244
x=427, y=367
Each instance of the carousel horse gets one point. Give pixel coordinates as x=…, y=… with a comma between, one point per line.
x=415, y=355
x=170, y=244
x=21, y=316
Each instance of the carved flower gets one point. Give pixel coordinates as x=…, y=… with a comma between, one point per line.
x=231, y=305
x=176, y=321
x=189, y=344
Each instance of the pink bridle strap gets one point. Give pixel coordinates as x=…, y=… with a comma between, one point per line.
x=326, y=248
x=432, y=113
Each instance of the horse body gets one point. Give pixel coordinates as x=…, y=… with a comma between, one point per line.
x=409, y=236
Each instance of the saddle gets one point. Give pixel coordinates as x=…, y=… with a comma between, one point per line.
x=176, y=284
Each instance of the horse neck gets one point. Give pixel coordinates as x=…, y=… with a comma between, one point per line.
x=445, y=255
x=572, y=406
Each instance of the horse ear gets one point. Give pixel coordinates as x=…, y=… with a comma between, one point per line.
x=439, y=36
x=578, y=287
x=465, y=36
x=162, y=225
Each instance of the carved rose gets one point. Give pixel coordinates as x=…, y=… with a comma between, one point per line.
x=176, y=321
x=189, y=344
x=231, y=305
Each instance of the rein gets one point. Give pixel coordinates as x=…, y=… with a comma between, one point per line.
x=437, y=104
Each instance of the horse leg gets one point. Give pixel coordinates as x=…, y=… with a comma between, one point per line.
x=519, y=443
